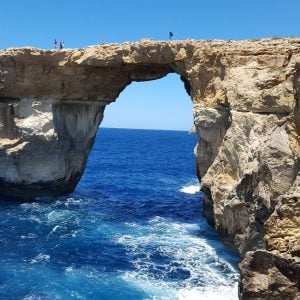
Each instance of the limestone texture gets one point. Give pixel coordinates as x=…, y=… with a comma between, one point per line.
x=246, y=107
x=44, y=145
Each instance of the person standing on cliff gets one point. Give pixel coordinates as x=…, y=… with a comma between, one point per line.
x=61, y=45
x=55, y=43
x=170, y=35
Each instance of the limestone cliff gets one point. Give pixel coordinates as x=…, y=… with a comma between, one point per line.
x=246, y=97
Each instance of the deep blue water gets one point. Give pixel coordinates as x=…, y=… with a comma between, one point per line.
x=133, y=229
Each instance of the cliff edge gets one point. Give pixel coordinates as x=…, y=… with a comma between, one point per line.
x=246, y=106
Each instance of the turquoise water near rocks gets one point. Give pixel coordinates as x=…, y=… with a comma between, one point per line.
x=133, y=229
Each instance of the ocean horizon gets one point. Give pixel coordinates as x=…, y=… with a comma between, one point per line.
x=154, y=129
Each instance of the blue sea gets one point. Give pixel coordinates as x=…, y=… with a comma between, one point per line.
x=132, y=229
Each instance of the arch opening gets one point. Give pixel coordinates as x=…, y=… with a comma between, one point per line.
x=142, y=186
x=155, y=104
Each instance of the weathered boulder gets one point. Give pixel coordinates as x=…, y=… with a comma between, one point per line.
x=246, y=97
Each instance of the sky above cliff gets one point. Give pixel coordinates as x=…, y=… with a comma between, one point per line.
x=162, y=103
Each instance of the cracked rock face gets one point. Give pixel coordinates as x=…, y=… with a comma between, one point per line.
x=246, y=97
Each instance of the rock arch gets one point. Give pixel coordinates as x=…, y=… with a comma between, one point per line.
x=52, y=103
x=246, y=112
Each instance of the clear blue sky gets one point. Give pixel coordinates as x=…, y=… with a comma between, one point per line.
x=82, y=23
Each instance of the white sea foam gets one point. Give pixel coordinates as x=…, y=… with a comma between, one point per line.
x=69, y=269
x=190, y=189
x=72, y=202
x=156, y=289
x=35, y=219
x=129, y=224
x=55, y=229
x=40, y=258
x=61, y=216
x=177, y=251
x=28, y=236
x=210, y=293
x=159, y=290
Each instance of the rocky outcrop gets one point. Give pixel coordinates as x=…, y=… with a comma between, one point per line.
x=246, y=97
x=44, y=145
x=269, y=276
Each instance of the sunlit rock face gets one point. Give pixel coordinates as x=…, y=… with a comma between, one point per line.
x=246, y=97
x=44, y=145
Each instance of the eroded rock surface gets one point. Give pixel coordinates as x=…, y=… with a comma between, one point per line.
x=44, y=145
x=246, y=97
x=269, y=276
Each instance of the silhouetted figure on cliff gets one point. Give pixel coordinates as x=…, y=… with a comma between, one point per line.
x=61, y=45
x=55, y=43
x=170, y=35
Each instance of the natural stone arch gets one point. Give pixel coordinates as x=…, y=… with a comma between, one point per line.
x=49, y=81
x=246, y=110
x=70, y=88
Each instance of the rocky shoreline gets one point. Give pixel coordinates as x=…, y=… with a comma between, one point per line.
x=246, y=97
